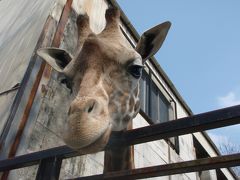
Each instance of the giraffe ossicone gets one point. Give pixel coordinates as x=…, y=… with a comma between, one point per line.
x=104, y=79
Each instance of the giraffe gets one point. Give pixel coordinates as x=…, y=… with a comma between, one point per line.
x=103, y=78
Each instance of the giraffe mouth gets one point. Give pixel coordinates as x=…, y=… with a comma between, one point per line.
x=98, y=144
x=89, y=137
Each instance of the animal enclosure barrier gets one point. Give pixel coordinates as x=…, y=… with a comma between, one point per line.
x=39, y=81
x=50, y=160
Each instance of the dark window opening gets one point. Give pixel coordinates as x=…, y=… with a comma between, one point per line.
x=144, y=92
x=156, y=105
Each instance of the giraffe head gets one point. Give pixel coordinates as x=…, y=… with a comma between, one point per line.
x=103, y=76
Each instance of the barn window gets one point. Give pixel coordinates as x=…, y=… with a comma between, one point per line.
x=153, y=102
x=144, y=92
x=160, y=107
x=156, y=105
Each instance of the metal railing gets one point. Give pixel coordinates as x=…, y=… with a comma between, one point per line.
x=50, y=160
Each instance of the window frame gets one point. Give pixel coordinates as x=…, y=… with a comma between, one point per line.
x=174, y=141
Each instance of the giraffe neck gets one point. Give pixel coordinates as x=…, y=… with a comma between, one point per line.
x=120, y=158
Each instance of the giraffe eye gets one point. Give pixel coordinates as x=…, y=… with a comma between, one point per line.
x=66, y=81
x=135, y=70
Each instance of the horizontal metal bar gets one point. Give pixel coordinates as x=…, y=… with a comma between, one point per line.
x=173, y=168
x=36, y=157
x=201, y=122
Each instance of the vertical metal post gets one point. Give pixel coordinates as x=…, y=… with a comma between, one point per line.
x=49, y=169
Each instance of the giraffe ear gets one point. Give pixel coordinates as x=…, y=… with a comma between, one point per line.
x=151, y=40
x=55, y=57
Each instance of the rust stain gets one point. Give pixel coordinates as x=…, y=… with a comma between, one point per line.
x=47, y=71
x=61, y=24
x=59, y=34
x=43, y=89
x=26, y=113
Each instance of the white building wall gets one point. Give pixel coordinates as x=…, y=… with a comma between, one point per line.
x=159, y=152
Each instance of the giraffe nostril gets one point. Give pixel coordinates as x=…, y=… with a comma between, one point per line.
x=90, y=108
x=69, y=110
x=84, y=106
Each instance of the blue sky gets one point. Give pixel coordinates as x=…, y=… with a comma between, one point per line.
x=201, y=54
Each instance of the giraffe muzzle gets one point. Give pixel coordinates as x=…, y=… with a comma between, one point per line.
x=88, y=124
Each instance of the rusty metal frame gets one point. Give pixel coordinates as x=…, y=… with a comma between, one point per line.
x=172, y=168
x=200, y=122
